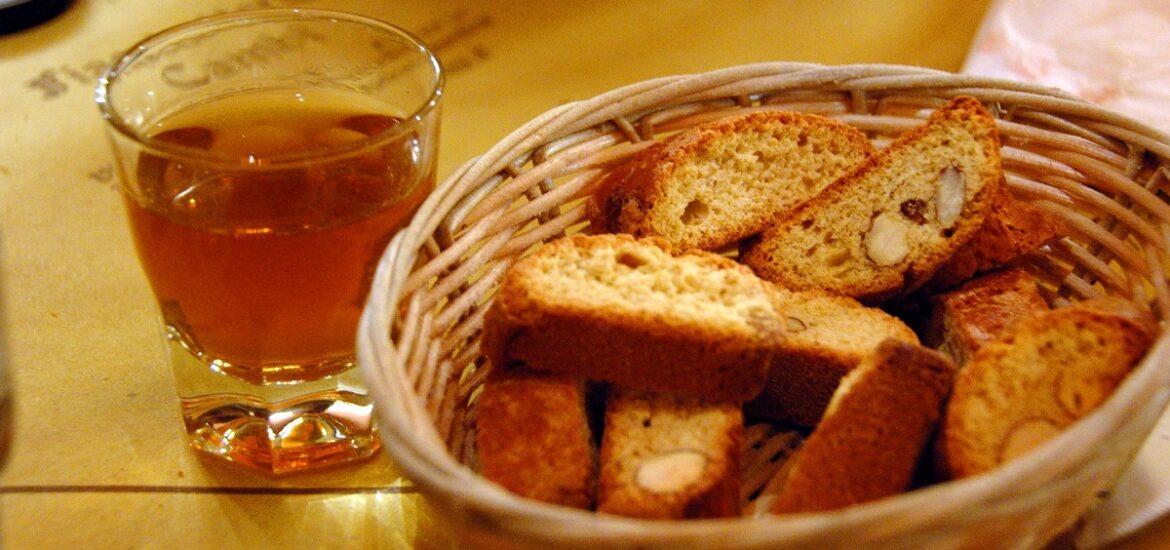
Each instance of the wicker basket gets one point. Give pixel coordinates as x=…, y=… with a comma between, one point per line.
x=1105, y=175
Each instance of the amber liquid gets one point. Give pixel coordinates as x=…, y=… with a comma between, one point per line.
x=262, y=267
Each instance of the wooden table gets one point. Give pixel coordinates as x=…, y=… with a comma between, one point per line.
x=99, y=458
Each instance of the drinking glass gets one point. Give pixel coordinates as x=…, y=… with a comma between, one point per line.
x=265, y=159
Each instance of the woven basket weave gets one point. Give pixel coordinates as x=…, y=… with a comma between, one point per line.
x=1104, y=175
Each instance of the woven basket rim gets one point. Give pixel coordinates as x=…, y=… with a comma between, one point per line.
x=455, y=486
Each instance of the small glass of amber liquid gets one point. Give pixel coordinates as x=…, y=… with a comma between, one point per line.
x=266, y=158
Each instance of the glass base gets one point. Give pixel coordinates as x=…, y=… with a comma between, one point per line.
x=275, y=428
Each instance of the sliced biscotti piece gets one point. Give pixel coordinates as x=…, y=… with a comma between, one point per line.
x=716, y=183
x=1011, y=229
x=884, y=228
x=669, y=456
x=826, y=337
x=963, y=319
x=631, y=312
x=533, y=437
x=1038, y=377
x=874, y=431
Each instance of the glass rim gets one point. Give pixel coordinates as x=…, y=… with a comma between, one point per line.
x=240, y=18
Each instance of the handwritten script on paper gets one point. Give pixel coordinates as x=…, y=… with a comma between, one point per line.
x=54, y=81
x=456, y=37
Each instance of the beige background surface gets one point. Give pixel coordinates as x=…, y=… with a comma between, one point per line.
x=99, y=458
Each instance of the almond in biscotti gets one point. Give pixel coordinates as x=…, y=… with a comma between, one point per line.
x=671, y=471
x=950, y=196
x=668, y=456
x=887, y=226
x=716, y=183
x=886, y=240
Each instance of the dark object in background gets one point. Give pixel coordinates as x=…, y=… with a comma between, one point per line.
x=17, y=15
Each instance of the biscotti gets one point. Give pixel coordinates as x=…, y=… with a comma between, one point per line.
x=1037, y=378
x=533, y=436
x=667, y=456
x=887, y=226
x=826, y=337
x=716, y=183
x=635, y=313
x=868, y=444
x=678, y=335
x=963, y=319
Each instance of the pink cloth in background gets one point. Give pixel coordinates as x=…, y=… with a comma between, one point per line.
x=1115, y=53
